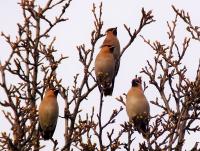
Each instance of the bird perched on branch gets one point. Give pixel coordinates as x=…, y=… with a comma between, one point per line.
x=112, y=40
x=48, y=114
x=137, y=107
x=107, y=62
x=105, y=69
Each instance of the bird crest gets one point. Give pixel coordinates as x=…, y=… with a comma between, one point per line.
x=113, y=30
x=136, y=81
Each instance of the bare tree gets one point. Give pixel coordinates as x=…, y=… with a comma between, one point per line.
x=32, y=61
x=181, y=105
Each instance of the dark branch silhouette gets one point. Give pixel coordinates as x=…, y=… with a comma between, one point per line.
x=33, y=64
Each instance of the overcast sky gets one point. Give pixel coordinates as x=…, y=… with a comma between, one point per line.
x=77, y=31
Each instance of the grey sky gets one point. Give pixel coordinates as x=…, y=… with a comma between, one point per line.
x=77, y=31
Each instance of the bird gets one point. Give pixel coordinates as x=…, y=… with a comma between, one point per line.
x=105, y=69
x=137, y=107
x=48, y=113
x=112, y=46
x=112, y=40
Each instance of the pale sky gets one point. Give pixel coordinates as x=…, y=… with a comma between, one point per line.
x=77, y=30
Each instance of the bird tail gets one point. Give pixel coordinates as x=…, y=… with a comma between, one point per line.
x=109, y=90
x=143, y=127
x=46, y=135
x=141, y=124
x=105, y=88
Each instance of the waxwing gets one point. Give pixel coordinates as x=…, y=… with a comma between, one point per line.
x=48, y=114
x=137, y=107
x=112, y=40
x=105, y=69
x=110, y=43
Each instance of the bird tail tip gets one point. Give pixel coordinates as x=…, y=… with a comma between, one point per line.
x=144, y=130
x=108, y=91
x=46, y=135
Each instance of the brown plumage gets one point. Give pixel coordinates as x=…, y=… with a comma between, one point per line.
x=107, y=62
x=105, y=69
x=112, y=40
x=48, y=114
x=137, y=107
